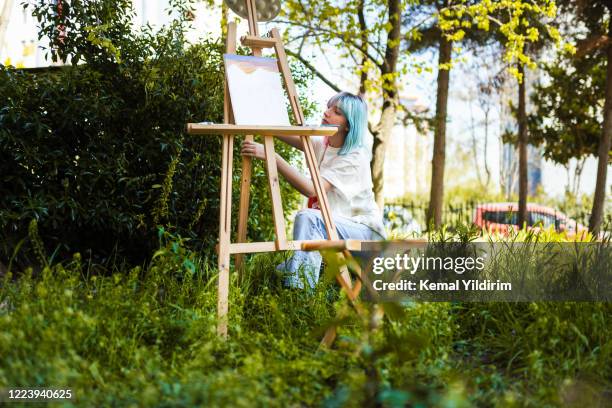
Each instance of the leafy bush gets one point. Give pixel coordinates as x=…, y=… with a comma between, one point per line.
x=146, y=336
x=97, y=153
x=559, y=348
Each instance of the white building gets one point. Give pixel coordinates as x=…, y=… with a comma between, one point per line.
x=407, y=168
x=19, y=44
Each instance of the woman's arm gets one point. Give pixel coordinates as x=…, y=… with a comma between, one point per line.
x=292, y=141
x=300, y=182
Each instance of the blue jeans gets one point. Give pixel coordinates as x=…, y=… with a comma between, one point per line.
x=309, y=224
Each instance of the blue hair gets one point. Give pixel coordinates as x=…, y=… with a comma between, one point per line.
x=355, y=110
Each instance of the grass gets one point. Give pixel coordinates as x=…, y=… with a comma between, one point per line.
x=145, y=336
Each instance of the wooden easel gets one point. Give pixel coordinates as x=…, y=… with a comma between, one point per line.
x=228, y=130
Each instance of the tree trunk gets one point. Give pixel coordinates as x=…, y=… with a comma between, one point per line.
x=486, y=148
x=569, y=186
x=522, y=149
x=436, y=196
x=577, y=176
x=363, y=28
x=224, y=17
x=603, y=153
x=504, y=166
x=387, y=118
x=385, y=127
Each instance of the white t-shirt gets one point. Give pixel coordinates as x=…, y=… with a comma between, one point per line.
x=351, y=178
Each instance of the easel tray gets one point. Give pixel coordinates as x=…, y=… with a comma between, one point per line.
x=222, y=129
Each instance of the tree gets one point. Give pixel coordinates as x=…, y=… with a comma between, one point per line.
x=568, y=110
x=485, y=94
x=423, y=37
x=519, y=25
x=529, y=22
x=368, y=35
x=596, y=16
x=482, y=91
x=522, y=147
x=426, y=35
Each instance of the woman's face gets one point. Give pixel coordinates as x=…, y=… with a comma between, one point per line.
x=334, y=116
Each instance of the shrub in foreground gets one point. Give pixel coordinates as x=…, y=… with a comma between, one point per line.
x=97, y=152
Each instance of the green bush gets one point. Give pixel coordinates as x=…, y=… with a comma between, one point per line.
x=97, y=153
x=548, y=351
x=146, y=336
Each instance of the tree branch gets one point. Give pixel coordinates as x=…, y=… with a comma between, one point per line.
x=332, y=34
x=591, y=43
x=314, y=70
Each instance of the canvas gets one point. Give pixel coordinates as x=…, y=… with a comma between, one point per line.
x=255, y=90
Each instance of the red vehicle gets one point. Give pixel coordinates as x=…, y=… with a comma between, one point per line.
x=500, y=217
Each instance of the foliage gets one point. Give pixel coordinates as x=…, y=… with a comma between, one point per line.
x=368, y=37
x=515, y=27
x=595, y=17
x=568, y=110
x=568, y=115
x=89, y=31
x=361, y=29
x=146, y=336
x=97, y=152
x=341, y=27
x=558, y=342
x=592, y=14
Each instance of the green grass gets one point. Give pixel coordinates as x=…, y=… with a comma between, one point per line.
x=145, y=336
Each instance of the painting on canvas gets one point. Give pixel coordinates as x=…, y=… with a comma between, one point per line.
x=255, y=90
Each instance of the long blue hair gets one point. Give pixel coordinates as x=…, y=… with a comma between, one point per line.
x=355, y=110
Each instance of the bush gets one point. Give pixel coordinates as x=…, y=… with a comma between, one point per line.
x=146, y=336
x=561, y=350
x=97, y=152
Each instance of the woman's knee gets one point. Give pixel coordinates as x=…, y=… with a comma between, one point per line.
x=307, y=221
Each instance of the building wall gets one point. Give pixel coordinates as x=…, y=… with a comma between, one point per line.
x=534, y=169
x=407, y=163
x=19, y=45
x=21, y=48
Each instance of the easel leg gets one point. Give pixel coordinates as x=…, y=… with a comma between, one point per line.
x=223, y=295
x=225, y=235
x=275, y=195
x=329, y=337
x=243, y=214
x=344, y=280
x=357, y=287
x=225, y=216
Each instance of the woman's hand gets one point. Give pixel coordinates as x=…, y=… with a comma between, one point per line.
x=253, y=149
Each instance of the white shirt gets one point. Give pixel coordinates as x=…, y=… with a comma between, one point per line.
x=351, y=195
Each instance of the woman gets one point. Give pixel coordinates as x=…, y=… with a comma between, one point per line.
x=344, y=165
